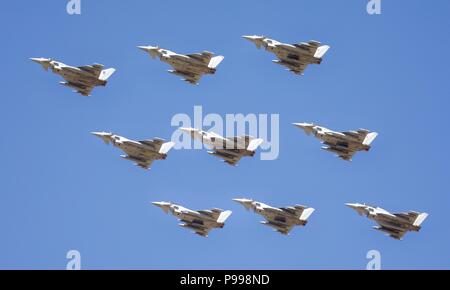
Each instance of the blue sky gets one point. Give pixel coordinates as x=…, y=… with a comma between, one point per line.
x=63, y=189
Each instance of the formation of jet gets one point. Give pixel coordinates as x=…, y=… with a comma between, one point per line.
x=143, y=153
x=281, y=219
x=231, y=150
x=296, y=57
x=190, y=67
x=82, y=79
x=343, y=144
x=201, y=222
x=395, y=225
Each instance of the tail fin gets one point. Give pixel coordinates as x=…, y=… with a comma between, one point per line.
x=320, y=52
x=254, y=144
x=165, y=148
x=106, y=74
x=306, y=214
x=420, y=219
x=370, y=138
x=224, y=216
x=215, y=61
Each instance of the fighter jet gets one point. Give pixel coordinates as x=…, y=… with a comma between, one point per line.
x=343, y=144
x=296, y=57
x=143, y=153
x=82, y=79
x=231, y=150
x=281, y=219
x=190, y=67
x=394, y=225
x=200, y=222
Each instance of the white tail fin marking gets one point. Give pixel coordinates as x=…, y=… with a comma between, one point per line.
x=370, y=138
x=106, y=74
x=215, y=61
x=420, y=219
x=306, y=214
x=224, y=216
x=165, y=148
x=254, y=144
x=320, y=52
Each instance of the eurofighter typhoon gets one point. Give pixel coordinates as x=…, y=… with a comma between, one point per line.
x=231, y=150
x=343, y=144
x=200, y=222
x=394, y=225
x=190, y=67
x=281, y=219
x=296, y=57
x=143, y=153
x=82, y=79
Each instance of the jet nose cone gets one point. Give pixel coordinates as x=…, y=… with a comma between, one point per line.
x=251, y=38
x=307, y=127
x=353, y=205
x=148, y=48
x=106, y=137
x=46, y=63
x=161, y=203
x=165, y=206
x=247, y=203
x=99, y=134
x=144, y=48
x=187, y=130
x=39, y=60
x=302, y=125
x=242, y=200
x=156, y=203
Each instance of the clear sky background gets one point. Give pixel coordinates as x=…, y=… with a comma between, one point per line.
x=63, y=189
